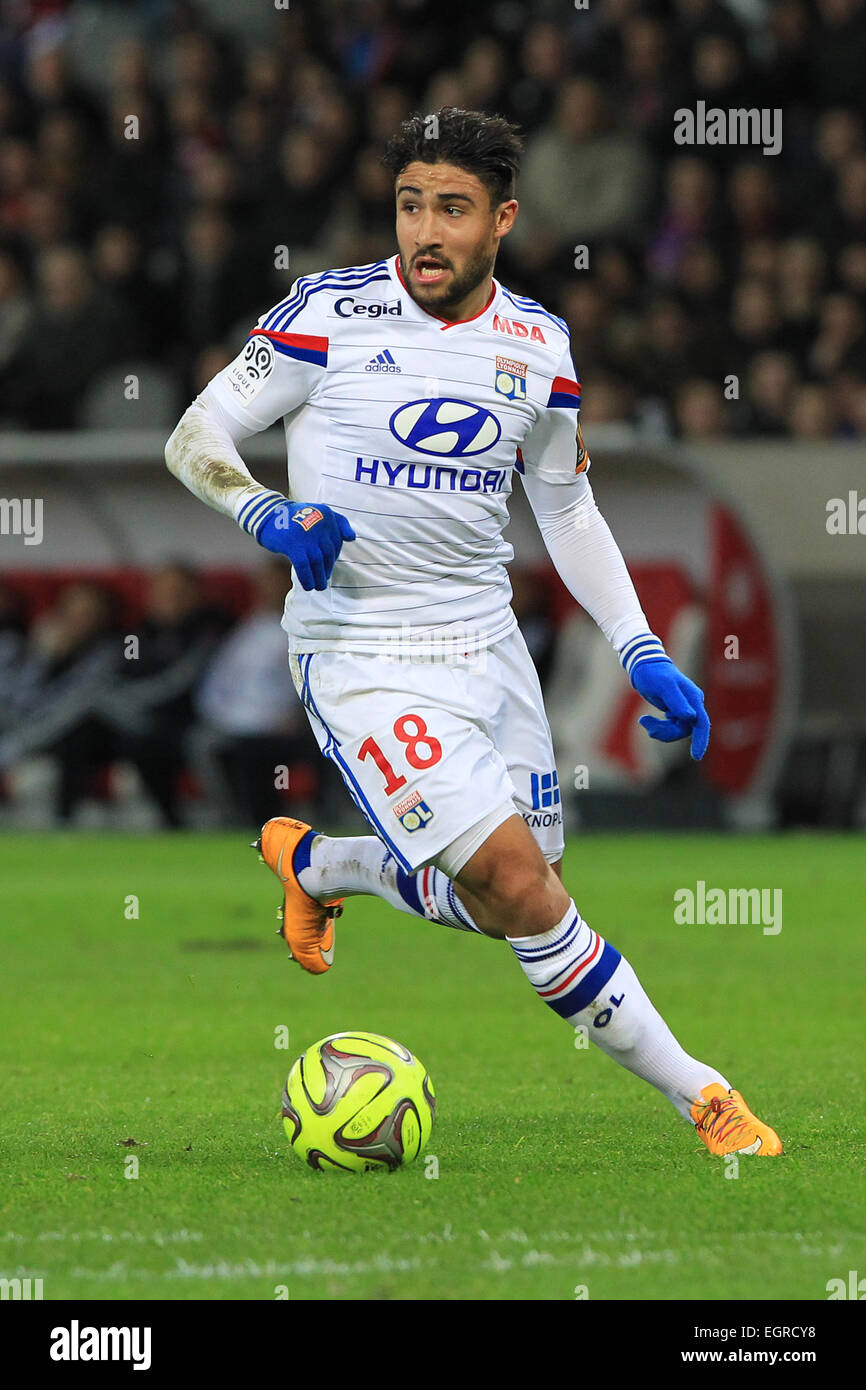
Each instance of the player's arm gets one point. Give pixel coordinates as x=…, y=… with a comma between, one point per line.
x=274, y=374
x=590, y=564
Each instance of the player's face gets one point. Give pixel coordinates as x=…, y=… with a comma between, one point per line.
x=448, y=235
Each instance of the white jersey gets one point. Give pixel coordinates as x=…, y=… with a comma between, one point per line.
x=412, y=427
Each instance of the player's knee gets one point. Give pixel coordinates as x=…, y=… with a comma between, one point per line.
x=512, y=880
x=517, y=891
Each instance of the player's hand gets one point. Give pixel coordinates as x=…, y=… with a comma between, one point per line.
x=311, y=536
x=681, y=701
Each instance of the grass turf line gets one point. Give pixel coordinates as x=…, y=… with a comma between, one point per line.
x=556, y=1168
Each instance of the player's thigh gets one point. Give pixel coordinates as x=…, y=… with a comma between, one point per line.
x=417, y=763
x=522, y=735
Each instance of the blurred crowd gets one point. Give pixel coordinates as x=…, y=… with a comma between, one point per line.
x=191, y=695
x=146, y=216
x=198, y=702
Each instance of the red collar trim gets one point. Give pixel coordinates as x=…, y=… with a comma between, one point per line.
x=449, y=323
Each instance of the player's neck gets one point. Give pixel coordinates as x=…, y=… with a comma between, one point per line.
x=473, y=305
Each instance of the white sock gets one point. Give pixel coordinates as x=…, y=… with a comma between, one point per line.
x=343, y=866
x=587, y=982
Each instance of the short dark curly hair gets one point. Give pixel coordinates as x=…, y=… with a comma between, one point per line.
x=487, y=146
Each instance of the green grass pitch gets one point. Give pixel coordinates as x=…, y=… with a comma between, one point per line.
x=556, y=1169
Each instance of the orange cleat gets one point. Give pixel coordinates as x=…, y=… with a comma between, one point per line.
x=727, y=1126
x=307, y=925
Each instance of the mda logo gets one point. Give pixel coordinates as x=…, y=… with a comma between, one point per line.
x=447, y=427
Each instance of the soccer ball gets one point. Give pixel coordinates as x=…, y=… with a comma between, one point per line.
x=358, y=1101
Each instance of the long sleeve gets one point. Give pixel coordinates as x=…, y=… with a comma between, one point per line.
x=202, y=454
x=275, y=372
x=586, y=556
x=554, y=464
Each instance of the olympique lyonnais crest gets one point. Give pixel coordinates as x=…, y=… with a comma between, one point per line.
x=412, y=812
x=510, y=378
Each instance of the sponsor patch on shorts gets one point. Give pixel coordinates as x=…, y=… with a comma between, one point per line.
x=412, y=812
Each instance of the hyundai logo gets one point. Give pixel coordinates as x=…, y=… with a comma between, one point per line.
x=446, y=427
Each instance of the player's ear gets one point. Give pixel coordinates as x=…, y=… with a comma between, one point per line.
x=505, y=215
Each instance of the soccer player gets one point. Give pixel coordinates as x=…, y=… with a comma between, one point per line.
x=412, y=392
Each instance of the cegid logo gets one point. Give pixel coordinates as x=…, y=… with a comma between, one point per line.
x=369, y=308
x=447, y=427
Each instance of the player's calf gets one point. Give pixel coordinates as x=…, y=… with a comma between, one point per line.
x=511, y=891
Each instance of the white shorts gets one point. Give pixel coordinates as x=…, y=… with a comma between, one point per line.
x=429, y=748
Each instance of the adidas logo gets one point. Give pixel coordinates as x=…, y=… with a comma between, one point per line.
x=384, y=362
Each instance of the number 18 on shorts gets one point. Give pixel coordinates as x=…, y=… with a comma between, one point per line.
x=422, y=767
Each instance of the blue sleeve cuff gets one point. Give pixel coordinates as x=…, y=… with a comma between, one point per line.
x=640, y=649
x=257, y=510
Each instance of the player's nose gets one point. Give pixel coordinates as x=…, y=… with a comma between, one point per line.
x=427, y=236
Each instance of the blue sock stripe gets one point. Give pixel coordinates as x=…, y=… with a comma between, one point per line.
x=456, y=906
x=407, y=887
x=301, y=856
x=534, y=953
x=549, y=946
x=560, y=946
x=570, y=964
x=591, y=985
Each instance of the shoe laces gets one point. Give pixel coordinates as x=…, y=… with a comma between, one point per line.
x=721, y=1118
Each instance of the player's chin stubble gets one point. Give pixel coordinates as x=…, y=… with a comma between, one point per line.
x=459, y=287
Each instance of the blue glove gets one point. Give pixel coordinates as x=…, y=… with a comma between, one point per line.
x=682, y=702
x=311, y=535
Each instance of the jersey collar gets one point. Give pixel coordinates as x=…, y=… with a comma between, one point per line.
x=396, y=270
